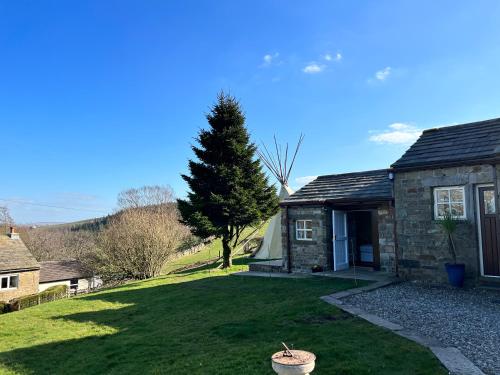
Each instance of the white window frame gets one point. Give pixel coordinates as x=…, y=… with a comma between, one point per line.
x=436, y=202
x=9, y=276
x=303, y=230
x=74, y=286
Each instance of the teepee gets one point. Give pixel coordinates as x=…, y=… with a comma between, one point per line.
x=279, y=166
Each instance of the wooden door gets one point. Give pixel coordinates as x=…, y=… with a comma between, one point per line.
x=340, y=241
x=488, y=218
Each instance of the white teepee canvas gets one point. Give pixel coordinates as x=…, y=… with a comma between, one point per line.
x=272, y=247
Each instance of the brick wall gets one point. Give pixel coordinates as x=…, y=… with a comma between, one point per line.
x=422, y=244
x=28, y=284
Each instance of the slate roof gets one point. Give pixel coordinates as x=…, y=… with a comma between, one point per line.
x=57, y=270
x=15, y=256
x=358, y=186
x=466, y=143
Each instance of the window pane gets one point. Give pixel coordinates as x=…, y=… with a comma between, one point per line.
x=443, y=209
x=457, y=195
x=300, y=235
x=443, y=196
x=14, y=281
x=309, y=224
x=4, y=282
x=309, y=234
x=489, y=202
x=300, y=224
x=457, y=209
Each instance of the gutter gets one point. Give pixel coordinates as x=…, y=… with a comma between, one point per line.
x=346, y=201
x=19, y=270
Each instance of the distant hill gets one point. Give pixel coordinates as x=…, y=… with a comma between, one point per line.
x=89, y=224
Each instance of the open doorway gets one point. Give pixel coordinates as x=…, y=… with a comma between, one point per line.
x=363, y=239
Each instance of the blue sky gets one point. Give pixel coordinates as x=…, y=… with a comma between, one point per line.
x=100, y=96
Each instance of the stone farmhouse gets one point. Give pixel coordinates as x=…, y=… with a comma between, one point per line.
x=22, y=275
x=388, y=219
x=19, y=270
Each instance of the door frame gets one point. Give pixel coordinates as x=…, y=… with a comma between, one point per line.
x=478, y=227
x=335, y=239
x=374, y=237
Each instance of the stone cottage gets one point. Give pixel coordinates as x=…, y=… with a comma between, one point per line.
x=19, y=270
x=388, y=219
x=68, y=272
x=451, y=169
x=338, y=220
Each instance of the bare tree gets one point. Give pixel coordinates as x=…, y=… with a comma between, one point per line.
x=145, y=196
x=135, y=242
x=5, y=218
x=140, y=238
x=138, y=242
x=47, y=243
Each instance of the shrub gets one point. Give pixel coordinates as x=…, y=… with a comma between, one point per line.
x=51, y=294
x=3, y=307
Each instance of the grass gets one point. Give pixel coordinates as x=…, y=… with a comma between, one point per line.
x=202, y=322
x=210, y=252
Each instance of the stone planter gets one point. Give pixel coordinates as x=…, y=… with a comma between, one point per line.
x=299, y=363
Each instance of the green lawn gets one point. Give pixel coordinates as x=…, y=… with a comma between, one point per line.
x=202, y=322
x=211, y=251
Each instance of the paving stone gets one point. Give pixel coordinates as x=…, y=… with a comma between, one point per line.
x=455, y=361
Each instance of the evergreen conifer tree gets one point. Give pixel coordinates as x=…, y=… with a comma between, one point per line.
x=228, y=189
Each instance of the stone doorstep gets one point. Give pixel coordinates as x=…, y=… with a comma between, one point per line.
x=450, y=357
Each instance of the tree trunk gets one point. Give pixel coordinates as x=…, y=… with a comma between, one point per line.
x=227, y=261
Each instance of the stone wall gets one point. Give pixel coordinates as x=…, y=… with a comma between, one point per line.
x=306, y=253
x=421, y=243
x=28, y=284
x=386, y=240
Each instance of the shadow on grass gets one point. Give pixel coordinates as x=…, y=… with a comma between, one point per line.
x=237, y=262
x=219, y=325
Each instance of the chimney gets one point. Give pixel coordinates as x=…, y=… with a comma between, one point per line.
x=13, y=234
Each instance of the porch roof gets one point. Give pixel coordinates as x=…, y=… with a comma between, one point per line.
x=366, y=186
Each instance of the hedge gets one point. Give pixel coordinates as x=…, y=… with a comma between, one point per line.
x=51, y=294
x=3, y=307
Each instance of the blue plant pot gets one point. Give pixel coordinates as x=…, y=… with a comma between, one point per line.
x=456, y=274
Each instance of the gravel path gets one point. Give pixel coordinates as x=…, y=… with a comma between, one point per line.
x=468, y=319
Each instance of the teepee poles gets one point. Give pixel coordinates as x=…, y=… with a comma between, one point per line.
x=278, y=163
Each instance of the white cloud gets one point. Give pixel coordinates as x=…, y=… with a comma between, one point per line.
x=329, y=57
x=383, y=74
x=398, y=133
x=313, y=68
x=269, y=59
x=305, y=180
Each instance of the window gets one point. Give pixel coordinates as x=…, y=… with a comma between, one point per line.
x=304, y=230
x=489, y=202
x=449, y=200
x=9, y=281
x=73, y=284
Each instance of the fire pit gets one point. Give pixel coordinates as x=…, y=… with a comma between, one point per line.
x=293, y=362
